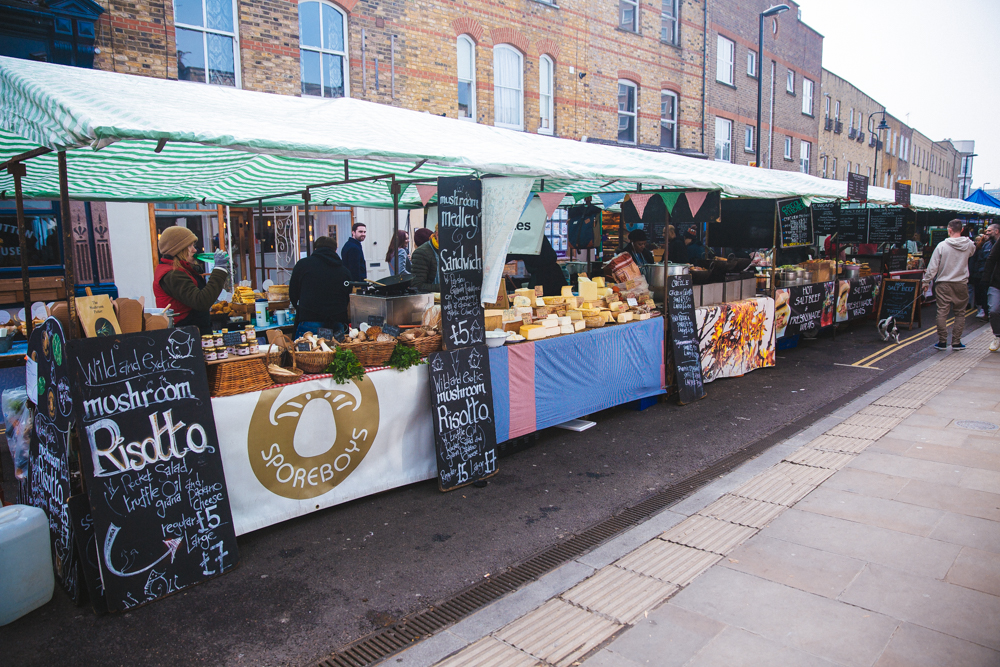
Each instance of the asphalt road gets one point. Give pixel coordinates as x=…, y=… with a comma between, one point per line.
x=307, y=587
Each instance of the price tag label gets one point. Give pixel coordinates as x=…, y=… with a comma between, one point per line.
x=303, y=347
x=375, y=320
x=539, y=291
x=613, y=297
x=325, y=333
x=390, y=329
x=632, y=302
x=526, y=319
x=509, y=315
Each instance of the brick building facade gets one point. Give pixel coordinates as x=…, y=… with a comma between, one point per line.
x=792, y=70
x=557, y=68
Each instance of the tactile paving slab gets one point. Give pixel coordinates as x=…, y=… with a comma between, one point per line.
x=668, y=561
x=620, y=594
x=558, y=633
x=744, y=511
x=490, y=652
x=784, y=484
x=819, y=458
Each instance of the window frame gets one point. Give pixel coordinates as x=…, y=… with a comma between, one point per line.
x=673, y=122
x=500, y=48
x=807, y=99
x=545, y=61
x=634, y=114
x=805, y=156
x=205, y=31
x=466, y=39
x=720, y=149
x=748, y=139
x=634, y=4
x=673, y=17
x=834, y=171
x=344, y=55
x=790, y=82
x=731, y=62
x=788, y=148
x=752, y=63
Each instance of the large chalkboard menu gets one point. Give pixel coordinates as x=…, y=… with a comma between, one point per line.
x=684, y=339
x=887, y=225
x=853, y=225
x=900, y=300
x=857, y=187
x=150, y=456
x=460, y=234
x=465, y=437
x=794, y=223
x=49, y=447
x=825, y=216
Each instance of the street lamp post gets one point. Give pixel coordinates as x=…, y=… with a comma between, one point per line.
x=770, y=11
x=882, y=125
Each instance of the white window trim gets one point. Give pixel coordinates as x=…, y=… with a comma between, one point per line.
x=788, y=148
x=635, y=15
x=472, y=93
x=752, y=63
x=542, y=63
x=807, y=99
x=634, y=114
x=675, y=19
x=805, y=156
x=237, y=74
x=748, y=140
x=677, y=110
x=790, y=82
x=520, y=57
x=344, y=55
x=731, y=62
x=728, y=123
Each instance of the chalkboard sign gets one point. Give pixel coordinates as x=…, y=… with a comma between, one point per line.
x=49, y=448
x=803, y=308
x=87, y=550
x=894, y=260
x=233, y=338
x=150, y=457
x=857, y=187
x=825, y=217
x=391, y=329
x=902, y=192
x=684, y=339
x=460, y=234
x=465, y=437
x=858, y=297
x=853, y=226
x=937, y=236
x=794, y=223
x=901, y=300
x=887, y=225
x=375, y=320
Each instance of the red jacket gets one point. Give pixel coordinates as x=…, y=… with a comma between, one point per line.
x=164, y=300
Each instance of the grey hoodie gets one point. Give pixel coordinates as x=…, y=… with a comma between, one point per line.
x=950, y=261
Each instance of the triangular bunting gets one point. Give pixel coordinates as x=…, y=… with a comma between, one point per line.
x=426, y=192
x=640, y=200
x=551, y=201
x=609, y=199
x=531, y=195
x=695, y=200
x=670, y=199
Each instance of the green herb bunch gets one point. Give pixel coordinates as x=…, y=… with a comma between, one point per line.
x=345, y=366
x=403, y=357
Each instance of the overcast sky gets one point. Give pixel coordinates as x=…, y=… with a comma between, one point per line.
x=934, y=65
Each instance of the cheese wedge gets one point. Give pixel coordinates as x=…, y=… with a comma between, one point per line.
x=575, y=315
x=624, y=317
x=588, y=290
x=567, y=290
x=554, y=300
x=566, y=329
x=579, y=325
x=526, y=292
x=604, y=291
x=532, y=331
x=598, y=280
x=522, y=301
x=565, y=321
x=590, y=312
x=643, y=316
x=615, y=306
x=523, y=310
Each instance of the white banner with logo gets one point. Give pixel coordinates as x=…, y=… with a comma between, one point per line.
x=294, y=449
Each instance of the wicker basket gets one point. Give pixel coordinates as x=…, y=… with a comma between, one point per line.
x=238, y=377
x=424, y=345
x=315, y=361
x=371, y=353
x=281, y=344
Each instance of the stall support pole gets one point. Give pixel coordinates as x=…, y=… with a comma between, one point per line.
x=666, y=327
x=394, y=188
x=309, y=234
x=229, y=249
x=774, y=253
x=263, y=264
x=69, y=278
x=18, y=171
x=836, y=276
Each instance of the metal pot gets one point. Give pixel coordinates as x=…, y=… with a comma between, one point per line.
x=654, y=276
x=678, y=269
x=850, y=271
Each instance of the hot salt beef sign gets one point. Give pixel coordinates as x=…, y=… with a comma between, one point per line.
x=460, y=235
x=795, y=223
x=684, y=339
x=803, y=308
x=464, y=428
x=858, y=297
x=150, y=457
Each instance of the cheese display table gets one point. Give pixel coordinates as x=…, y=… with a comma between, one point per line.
x=736, y=337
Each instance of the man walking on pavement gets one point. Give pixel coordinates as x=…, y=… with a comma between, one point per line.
x=991, y=276
x=984, y=244
x=353, y=255
x=949, y=269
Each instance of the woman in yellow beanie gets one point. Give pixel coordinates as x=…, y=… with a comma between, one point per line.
x=178, y=283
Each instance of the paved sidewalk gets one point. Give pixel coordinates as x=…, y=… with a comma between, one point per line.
x=871, y=538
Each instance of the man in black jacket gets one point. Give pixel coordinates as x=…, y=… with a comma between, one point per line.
x=991, y=275
x=320, y=289
x=354, y=253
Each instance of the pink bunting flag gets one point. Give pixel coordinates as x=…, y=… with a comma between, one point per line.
x=426, y=192
x=550, y=200
x=695, y=200
x=639, y=201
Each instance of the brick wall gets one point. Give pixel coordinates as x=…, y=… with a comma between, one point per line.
x=797, y=47
x=840, y=146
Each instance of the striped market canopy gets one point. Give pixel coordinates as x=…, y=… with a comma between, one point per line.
x=225, y=145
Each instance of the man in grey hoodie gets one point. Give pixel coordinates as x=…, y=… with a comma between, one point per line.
x=949, y=269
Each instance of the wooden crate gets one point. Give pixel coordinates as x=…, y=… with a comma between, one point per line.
x=43, y=288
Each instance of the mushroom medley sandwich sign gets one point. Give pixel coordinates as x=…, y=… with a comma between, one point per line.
x=150, y=457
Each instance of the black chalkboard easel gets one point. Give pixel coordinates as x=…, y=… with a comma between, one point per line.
x=684, y=341
x=901, y=300
x=795, y=227
x=460, y=233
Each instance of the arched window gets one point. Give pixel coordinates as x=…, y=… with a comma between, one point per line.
x=546, y=86
x=466, y=78
x=508, y=87
x=323, y=50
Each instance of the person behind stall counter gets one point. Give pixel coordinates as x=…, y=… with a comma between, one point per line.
x=637, y=248
x=354, y=254
x=913, y=246
x=320, y=290
x=676, y=249
x=543, y=269
x=178, y=283
x=424, y=262
x=695, y=249
x=397, y=253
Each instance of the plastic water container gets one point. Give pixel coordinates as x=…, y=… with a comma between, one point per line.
x=26, y=578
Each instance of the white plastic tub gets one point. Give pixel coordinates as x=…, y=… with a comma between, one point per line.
x=26, y=578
